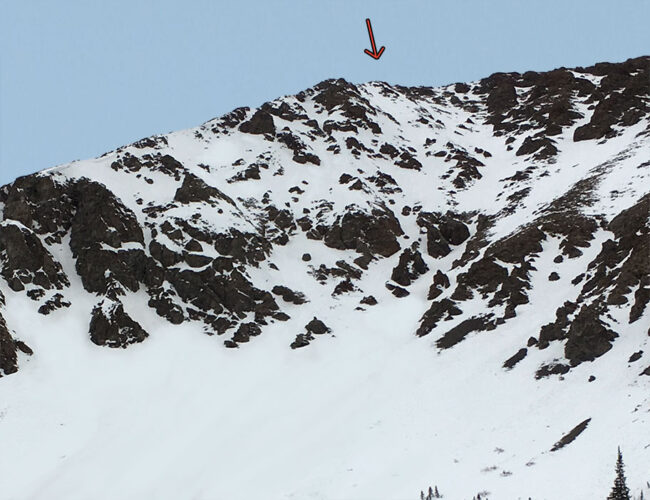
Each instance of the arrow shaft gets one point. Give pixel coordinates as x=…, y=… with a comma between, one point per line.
x=372, y=37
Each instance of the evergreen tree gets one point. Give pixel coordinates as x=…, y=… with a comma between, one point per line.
x=620, y=491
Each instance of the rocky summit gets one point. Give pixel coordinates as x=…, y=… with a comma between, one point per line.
x=352, y=292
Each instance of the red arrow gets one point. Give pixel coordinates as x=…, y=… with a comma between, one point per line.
x=374, y=54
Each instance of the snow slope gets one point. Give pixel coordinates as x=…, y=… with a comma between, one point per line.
x=370, y=410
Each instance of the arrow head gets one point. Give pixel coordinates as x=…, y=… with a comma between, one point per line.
x=375, y=55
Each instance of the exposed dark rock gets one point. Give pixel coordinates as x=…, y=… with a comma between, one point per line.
x=542, y=145
x=588, y=336
x=112, y=327
x=100, y=227
x=516, y=358
x=345, y=286
x=552, y=369
x=9, y=348
x=303, y=158
x=234, y=118
x=281, y=316
x=545, y=105
x=369, y=300
x=161, y=301
x=246, y=248
x=342, y=270
x=36, y=294
x=195, y=189
x=385, y=183
x=620, y=267
x=155, y=141
x=345, y=97
x=398, y=291
x=376, y=232
x=622, y=264
x=245, y=332
x=408, y=161
x=437, y=246
x=389, y=149
x=197, y=261
x=193, y=246
x=635, y=357
x=25, y=261
x=251, y=172
x=553, y=276
x=410, y=267
x=317, y=327
x=439, y=310
x=148, y=163
x=477, y=241
x=164, y=255
x=302, y=340
x=40, y=204
x=621, y=99
x=464, y=328
x=434, y=292
x=571, y=435
x=442, y=230
x=285, y=111
x=440, y=279
x=283, y=219
x=557, y=330
x=260, y=123
x=289, y=295
x=56, y=302
x=353, y=144
x=364, y=260
x=345, y=178
x=306, y=257
x=454, y=231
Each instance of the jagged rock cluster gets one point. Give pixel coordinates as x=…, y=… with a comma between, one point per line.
x=188, y=232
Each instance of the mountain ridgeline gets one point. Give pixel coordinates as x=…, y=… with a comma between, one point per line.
x=465, y=187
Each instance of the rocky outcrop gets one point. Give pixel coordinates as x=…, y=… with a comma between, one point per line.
x=375, y=232
x=289, y=295
x=9, y=348
x=209, y=257
x=26, y=262
x=317, y=327
x=41, y=204
x=195, y=189
x=314, y=327
x=618, y=273
x=443, y=232
x=111, y=326
x=107, y=241
x=57, y=301
x=410, y=267
x=621, y=98
x=260, y=123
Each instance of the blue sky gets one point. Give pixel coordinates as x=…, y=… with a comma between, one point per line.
x=78, y=78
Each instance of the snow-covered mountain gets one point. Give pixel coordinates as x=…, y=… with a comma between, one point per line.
x=355, y=292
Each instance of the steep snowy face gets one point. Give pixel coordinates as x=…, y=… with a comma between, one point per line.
x=509, y=215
